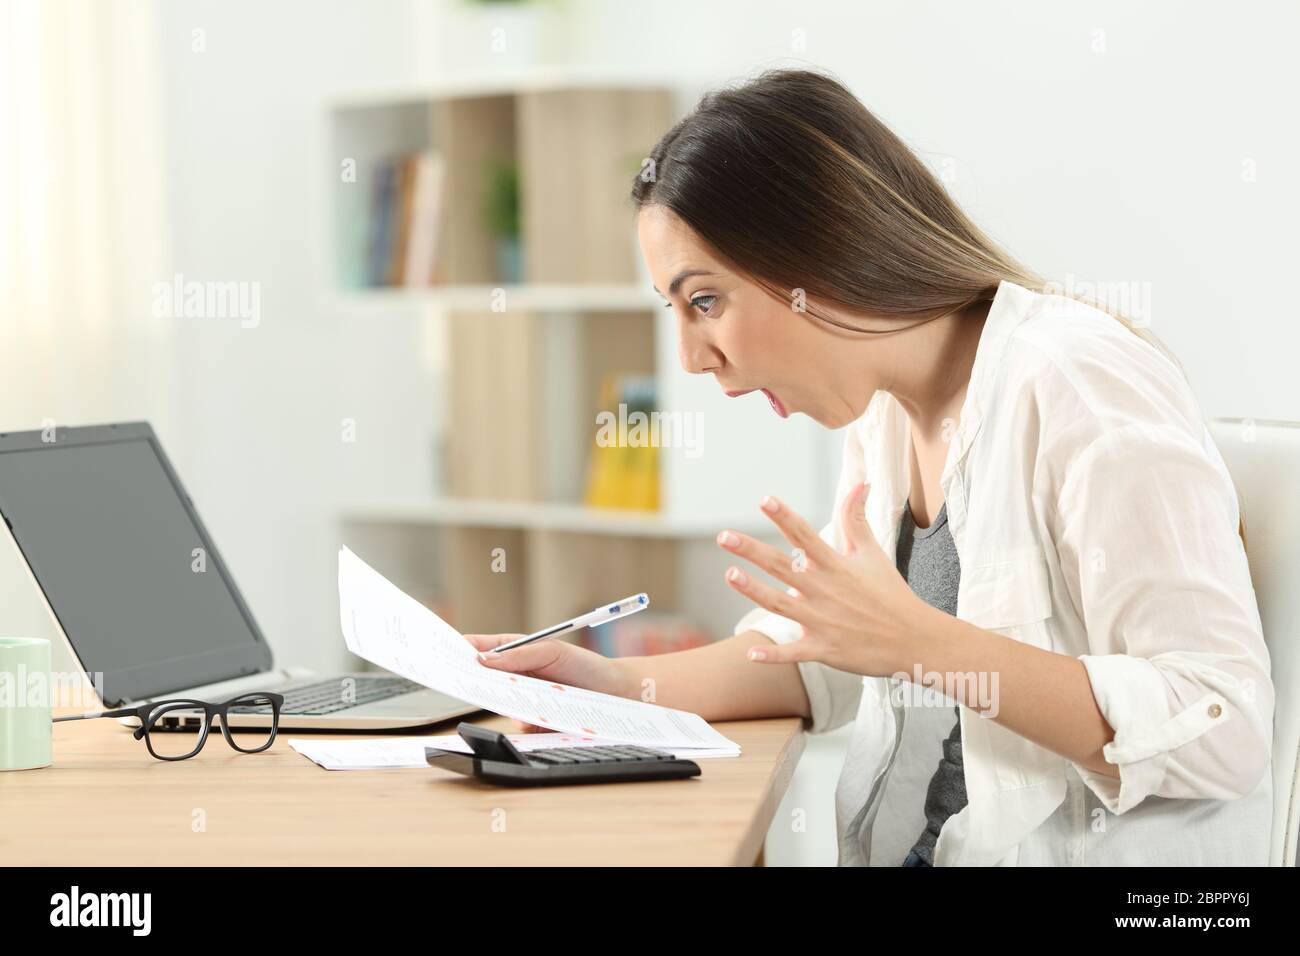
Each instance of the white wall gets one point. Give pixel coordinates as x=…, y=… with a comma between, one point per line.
x=259, y=425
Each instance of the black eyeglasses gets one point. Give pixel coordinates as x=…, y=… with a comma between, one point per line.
x=160, y=719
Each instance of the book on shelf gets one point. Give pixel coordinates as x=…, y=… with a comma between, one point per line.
x=623, y=471
x=426, y=218
x=405, y=220
x=380, y=220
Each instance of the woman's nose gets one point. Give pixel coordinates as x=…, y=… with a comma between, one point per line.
x=696, y=354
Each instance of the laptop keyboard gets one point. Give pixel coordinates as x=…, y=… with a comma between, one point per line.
x=328, y=697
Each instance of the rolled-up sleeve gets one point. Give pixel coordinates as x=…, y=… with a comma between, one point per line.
x=1148, y=541
x=833, y=695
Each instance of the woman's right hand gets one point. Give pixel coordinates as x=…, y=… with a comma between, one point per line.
x=554, y=660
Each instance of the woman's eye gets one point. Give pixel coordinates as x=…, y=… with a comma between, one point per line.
x=703, y=303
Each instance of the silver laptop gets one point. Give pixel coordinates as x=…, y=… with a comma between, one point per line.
x=139, y=593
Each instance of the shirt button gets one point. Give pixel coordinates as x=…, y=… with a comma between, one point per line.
x=1215, y=710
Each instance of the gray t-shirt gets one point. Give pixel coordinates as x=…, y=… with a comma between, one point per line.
x=927, y=559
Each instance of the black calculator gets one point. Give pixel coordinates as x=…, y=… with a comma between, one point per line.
x=497, y=760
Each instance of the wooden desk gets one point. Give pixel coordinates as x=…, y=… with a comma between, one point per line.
x=105, y=801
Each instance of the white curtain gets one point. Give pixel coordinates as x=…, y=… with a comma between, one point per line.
x=82, y=237
x=82, y=229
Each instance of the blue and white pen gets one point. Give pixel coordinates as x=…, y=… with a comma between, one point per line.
x=602, y=615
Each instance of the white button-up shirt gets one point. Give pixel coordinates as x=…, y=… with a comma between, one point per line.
x=1092, y=516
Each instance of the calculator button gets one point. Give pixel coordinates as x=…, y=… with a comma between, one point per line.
x=577, y=755
x=651, y=754
x=625, y=753
x=547, y=756
x=604, y=753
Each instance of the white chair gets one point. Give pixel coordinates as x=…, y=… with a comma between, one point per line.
x=1263, y=458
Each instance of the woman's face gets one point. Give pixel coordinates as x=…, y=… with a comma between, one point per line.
x=731, y=327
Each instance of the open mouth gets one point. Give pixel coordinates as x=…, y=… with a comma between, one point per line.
x=776, y=403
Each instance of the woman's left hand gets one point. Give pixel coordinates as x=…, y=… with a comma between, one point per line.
x=856, y=611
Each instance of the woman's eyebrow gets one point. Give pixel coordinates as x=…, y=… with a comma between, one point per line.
x=682, y=277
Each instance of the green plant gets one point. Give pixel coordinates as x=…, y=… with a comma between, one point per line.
x=502, y=207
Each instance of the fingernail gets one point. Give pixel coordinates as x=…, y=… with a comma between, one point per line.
x=728, y=540
x=736, y=576
x=756, y=655
x=770, y=505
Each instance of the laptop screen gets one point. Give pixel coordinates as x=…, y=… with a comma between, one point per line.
x=125, y=563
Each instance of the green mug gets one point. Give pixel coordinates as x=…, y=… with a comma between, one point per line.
x=26, y=727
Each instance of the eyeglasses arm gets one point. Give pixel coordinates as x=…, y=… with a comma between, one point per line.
x=120, y=712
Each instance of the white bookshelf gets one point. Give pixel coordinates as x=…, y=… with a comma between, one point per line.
x=545, y=79
x=524, y=360
x=483, y=297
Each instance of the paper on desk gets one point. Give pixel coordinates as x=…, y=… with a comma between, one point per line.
x=391, y=629
x=396, y=752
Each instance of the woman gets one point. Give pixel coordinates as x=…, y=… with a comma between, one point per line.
x=1032, y=516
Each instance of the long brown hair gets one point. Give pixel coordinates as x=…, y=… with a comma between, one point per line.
x=795, y=183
